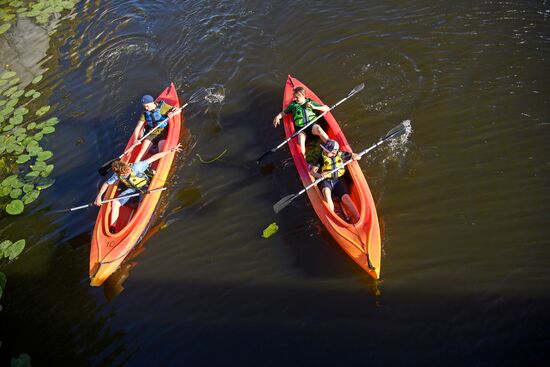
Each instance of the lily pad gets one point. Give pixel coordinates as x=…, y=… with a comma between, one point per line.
x=8, y=180
x=48, y=130
x=5, y=191
x=10, y=91
x=8, y=74
x=3, y=247
x=6, y=111
x=37, y=79
x=15, y=193
x=28, y=188
x=23, y=158
x=38, y=136
x=33, y=174
x=18, y=93
x=12, y=102
x=30, y=197
x=42, y=110
x=44, y=184
x=15, y=207
x=14, y=81
x=47, y=171
x=30, y=92
x=8, y=127
x=31, y=126
x=4, y=28
x=16, y=183
x=16, y=120
x=44, y=156
x=270, y=230
x=15, y=249
x=51, y=121
x=35, y=95
x=21, y=111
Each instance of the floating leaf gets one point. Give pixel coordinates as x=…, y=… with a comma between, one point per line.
x=270, y=230
x=10, y=91
x=44, y=156
x=21, y=111
x=8, y=74
x=15, y=207
x=38, y=136
x=48, y=130
x=8, y=180
x=14, y=81
x=18, y=94
x=15, y=193
x=16, y=183
x=28, y=188
x=47, y=171
x=45, y=184
x=39, y=166
x=5, y=191
x=16, y=120
x=42, y=110
x=4, y=27
x=3, y=246
x=31, y=126
x=33, y=174
x=30, y=197
x=12, y=102
x=37, y=79
x=8, y=127
x=35, y=95
x=30, y=92
x=20, y=131
x=51, y=121
x=3, y=280
x=15, y=249
x=6, y=111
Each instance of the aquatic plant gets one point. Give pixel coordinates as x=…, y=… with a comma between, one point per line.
x=40, y=10
x=24, y=169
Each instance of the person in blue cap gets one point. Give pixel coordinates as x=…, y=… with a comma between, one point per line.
x=154, y=115
x=330, y=158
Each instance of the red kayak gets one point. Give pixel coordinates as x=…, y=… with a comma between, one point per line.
x=108, y=250
x=361, y=241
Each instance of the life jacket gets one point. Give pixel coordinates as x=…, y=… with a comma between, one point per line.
x=330, y=163
x=152, y=118
x=301, y=113
x=134, y=181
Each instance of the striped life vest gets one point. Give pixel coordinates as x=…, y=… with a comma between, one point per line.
x=330, y=163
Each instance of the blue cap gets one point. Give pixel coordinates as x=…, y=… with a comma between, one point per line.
x=147, y=99
x=330, y=145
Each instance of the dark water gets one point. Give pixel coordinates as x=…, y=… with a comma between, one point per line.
x=463, y=200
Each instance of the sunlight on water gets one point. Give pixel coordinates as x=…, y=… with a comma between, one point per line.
x=216, y=94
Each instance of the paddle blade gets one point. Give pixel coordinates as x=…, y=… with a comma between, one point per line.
x=104, y=169
x=357, y=89
x=198, y=95
x=281, y=204
x=397, y=131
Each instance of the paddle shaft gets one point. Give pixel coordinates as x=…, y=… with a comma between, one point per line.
x=118, y=198
x=353, y=92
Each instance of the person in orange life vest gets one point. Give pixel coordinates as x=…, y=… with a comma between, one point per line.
x=330, y=158
x=155, y=113
x=133, y=177
x=302, y=110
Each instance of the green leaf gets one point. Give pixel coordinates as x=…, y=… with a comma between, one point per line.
x=37, y=79
x=47, y=171
x=28, y=188
x=5, y=191
x=12, y=102
x=15, y=249
x=42, y=110
x=44, y=156
x=35, y=95
x=14, y=81
x=23, y=158
x=8, y=127
x=31, y=126
x=17, y=184
x=30, y=92
x=10, y=91
x=15, y=207
x=23, y=360
x=6, y=111
x=38, y=136
x=33, y=174
x=48, y=130
x=8, y=180
x=45, y=184
x=16, y=120
x=18, y=94
x=21, y=111
x=270, y=230
x=51, y=121
x=8, y=74
x=15, y=193
x=4, y=28
x=4, y=245
x=30, y=197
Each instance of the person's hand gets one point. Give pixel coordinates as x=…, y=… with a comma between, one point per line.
x=177, y=148
x=309, y=105
x=98, y=200
x=325, y=174
x=277, y=120
x=355, y=156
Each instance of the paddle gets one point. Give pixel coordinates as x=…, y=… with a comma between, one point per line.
x=199, y=94
x=109, y=200
x=353, y=91
x=392, y=134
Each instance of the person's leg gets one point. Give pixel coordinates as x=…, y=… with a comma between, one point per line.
x=114, y=213
x=302, y=141
x=145, y=145
x=350, y=207
x=318, y=130
x=161, y=144
x=327, y=193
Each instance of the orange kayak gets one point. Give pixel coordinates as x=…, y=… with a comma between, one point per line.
x=108, y=250
x=361, y=241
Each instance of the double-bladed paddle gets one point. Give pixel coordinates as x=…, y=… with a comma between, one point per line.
x=109, y=200
x=199, y=94
x=355, y=90
x=392, y=134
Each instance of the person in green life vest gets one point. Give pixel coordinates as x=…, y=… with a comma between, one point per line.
x=303, y=111
x=155, y=113
x=133, y=176
x=331, y=157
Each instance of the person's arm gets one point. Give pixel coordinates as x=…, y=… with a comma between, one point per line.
x=314, y=171
x=99, y=196
x=158, y=156
x=317, y=106
x=138, y=128
x=280, y=115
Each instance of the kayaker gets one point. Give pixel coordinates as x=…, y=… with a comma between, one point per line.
x=303, y=111
x=155, y=112
x=331, y=157
x=133, y=177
